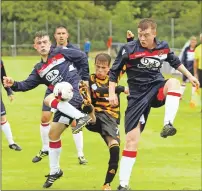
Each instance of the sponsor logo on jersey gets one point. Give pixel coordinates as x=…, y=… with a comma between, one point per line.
x=50, y=76
x=147, y=62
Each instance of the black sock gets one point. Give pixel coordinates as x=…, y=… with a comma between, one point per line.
x=113, y=163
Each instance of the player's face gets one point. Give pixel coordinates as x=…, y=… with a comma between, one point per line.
x=61, y=35
x=42, y=45
x=193, y=43
x=146, y=37
x=102, y=69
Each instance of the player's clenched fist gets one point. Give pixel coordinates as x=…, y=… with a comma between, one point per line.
x=7, y=81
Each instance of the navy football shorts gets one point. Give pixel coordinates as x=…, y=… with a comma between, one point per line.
x=3, y=109
x=140, y=103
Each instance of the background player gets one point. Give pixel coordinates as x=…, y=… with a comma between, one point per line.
x=5, y=126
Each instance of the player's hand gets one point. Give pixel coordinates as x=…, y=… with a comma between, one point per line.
x=11, y=97
x=129, y=34
x=7, y=81
x=126, y=90
x=194, y=81
x=113, y=100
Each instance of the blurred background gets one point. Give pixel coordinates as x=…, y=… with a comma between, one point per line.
x=97, y=21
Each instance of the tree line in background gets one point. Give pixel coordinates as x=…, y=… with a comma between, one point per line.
x=93, y=18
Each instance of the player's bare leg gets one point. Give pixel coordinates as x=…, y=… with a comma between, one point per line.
x=172, y=92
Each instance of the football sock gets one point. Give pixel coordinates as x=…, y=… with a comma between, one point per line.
x=7, y=131
x=171, y=106
x=182, y=89
x=44, y=130
x=78, y=140
x=193, y=90
x=66, y=108
x=54, y=156
x=126, y=165
x=113, y=163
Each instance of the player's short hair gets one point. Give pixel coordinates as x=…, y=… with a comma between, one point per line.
x=146, y=23
x=61, y=26
x=103, y=57
x=193, y=38
x=40, y=34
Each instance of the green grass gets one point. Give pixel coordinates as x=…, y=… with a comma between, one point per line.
x=162, y=164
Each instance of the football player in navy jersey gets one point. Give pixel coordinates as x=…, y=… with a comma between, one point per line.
x=56, y=66
x=61, y=37
x=5, y=125
x=143, y=59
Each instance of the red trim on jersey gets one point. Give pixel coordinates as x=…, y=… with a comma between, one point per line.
x=2, y=123
x=50, y=61
x=128, y=65
x=131, y=154
x=160, y=95
x=174, y=94
x=147, y=53
x=54, y=103
x=55, y=145
x=190, y=50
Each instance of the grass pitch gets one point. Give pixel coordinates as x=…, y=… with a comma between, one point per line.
x=162, y=164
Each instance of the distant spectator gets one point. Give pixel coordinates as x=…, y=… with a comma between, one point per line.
x=87, y=45
x=187, y=59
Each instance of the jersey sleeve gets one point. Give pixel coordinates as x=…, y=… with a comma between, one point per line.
x=31, y=82
x=118, y=65
x=79, y=59
x=172, y=59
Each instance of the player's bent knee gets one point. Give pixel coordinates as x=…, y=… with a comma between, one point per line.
x=3, y=119
x=173, y=83
x=46, y=117
x=48, y=99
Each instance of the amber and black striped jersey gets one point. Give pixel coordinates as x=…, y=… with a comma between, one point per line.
x=99, y=96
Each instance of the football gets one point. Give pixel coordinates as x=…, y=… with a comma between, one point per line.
x=63, y=91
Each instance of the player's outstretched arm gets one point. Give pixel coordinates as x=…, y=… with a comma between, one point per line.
x=31, y=82
x=194, y=81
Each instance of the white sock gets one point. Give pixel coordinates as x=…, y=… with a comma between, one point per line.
x=66, y=108
x=44, y=130
x=7, y=131
x=182, y=89
x=171, y=106
x=78, y=140
x=54, y=156
x=126, y=165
